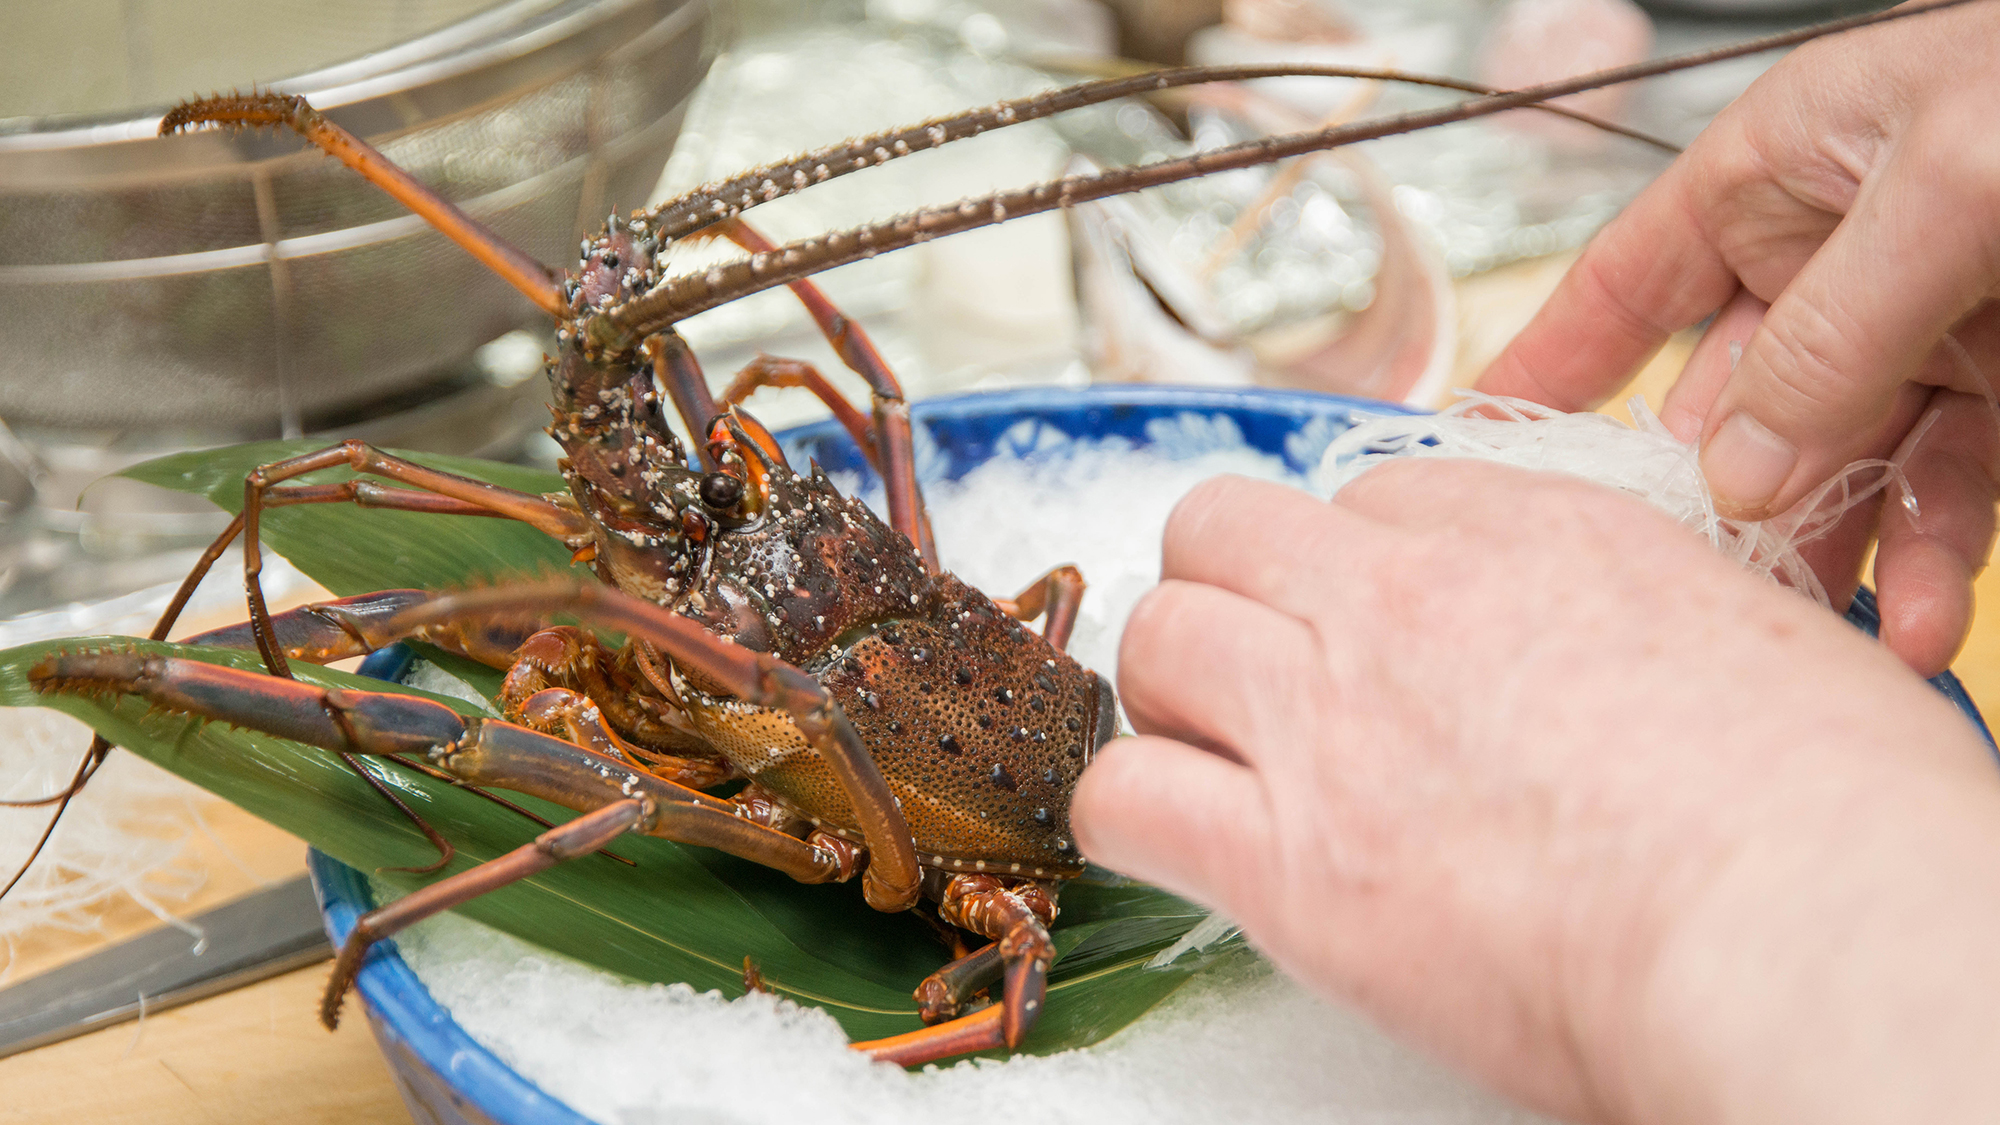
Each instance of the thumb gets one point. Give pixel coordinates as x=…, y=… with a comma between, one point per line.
x=1169, y=814
x=1919, y=249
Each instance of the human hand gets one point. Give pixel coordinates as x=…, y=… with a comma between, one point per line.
x=1846, y=210
x=1545, y=784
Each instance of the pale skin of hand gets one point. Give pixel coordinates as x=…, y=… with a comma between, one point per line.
x=1555, y=792
x=1844, y=216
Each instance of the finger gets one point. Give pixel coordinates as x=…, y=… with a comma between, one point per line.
x=1174, y=816
x=1216, y=670
x=1968, y=358
x=1427, y=492
x=1926, y=563
x=1834, y=542
x=1458, y=495
x=1709, y=366
x=1650, y=273
x=1857, y=321
x=1260, y=539
x=1836, y=556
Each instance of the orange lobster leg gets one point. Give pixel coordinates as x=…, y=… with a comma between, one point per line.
x=566, y=657
x=675, y=366
x=1013, y=912
x=514, y=267
x=484, y=752
x=578, y=717
x=555, y=520
x=979, y=1031
x=944, y=992
x=1059, y=593
x=323, y=632
x=893, y=879
x=498, y=502
x=893, y=440
x=773, y=371
x=579, y=837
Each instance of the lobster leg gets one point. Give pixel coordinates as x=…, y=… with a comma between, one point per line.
x=364, y=493
x=433, y=492
x=271, y=109
x=436, y=492
x=1016, y=915
x=675, y=366
x=480, y=751
x=893, y=878
x=1059, y=594
x=893, y=440
x=323, y=632
x=321, y=639
x=579, y=837
x=502, y=503
x=942, y=993
x=554, y=520
x=773, y=371
x=885, y=441
x=555, y=676
x=571, y=658
x=566, y=713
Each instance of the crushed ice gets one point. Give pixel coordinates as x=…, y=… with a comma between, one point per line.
x=1236, y=1044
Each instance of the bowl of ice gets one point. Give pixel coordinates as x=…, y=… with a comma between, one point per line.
x=481, y=1027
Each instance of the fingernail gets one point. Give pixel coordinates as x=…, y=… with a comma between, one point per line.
x=1746, y=464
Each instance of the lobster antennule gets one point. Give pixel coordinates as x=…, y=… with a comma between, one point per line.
x=269, y=108
x=680, y=297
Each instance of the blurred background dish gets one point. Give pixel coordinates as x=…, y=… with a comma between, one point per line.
x=162, y=293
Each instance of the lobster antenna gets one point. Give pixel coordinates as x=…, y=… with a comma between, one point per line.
x=85, y=769
x=100, y=747
x=677, y=298
x=713, y=203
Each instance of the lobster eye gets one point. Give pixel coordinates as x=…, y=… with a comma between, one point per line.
x=721, y=491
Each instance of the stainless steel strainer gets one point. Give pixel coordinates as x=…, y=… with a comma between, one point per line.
x=233, y=284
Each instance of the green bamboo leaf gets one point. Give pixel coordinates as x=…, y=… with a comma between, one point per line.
x=683, y=914
x=353, y=550
x=670, y=918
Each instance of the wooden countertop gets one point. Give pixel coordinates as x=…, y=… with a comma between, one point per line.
x=259, y=1055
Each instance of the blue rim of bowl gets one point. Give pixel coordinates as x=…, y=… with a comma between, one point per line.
x=973, y=426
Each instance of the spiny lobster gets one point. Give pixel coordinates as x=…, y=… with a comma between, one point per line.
x=892, y=722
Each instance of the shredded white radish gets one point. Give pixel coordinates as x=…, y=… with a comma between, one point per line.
x=1644, y=460
x=125, y=836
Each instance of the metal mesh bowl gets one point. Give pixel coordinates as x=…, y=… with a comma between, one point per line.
x=236, y=283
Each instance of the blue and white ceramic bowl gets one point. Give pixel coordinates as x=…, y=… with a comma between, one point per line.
x=449, y=1079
